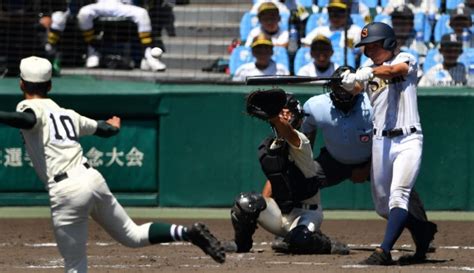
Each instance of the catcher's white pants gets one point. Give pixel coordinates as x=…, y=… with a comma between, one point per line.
x=395, y=166
x=88, y=13
x=72, y=200
x=272, y=220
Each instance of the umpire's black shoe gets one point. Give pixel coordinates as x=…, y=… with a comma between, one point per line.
x=411, y=259
x=199, y=235
x=424, y=240
x=378, y=257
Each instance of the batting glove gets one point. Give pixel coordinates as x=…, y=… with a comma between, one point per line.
x=364, y=74
x=348, y=80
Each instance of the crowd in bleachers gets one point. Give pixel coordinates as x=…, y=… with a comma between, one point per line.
x=37, y=27
x=439, y=33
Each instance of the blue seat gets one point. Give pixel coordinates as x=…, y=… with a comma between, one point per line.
x=384, y=18
x=239, y=56
x=247, y=23
x=423, y=25
x=453, y=4
x=432, y=58
x=243, y=54
x=467, y=57
x=442, y=27
x=338, y=56
x=369, y=3
x=306, y=3
x=250, y=20
x=357, y=19
x=280, y=56
x=302, y=57
x=315, y=20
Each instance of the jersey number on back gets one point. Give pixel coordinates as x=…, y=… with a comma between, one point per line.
x=63, y=127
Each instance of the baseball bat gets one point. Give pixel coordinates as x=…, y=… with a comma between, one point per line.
x=272, y=80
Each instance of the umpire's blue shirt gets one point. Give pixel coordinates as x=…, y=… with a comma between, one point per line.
x=347, y=137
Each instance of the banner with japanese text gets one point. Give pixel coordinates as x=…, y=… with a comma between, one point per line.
x=128, y=161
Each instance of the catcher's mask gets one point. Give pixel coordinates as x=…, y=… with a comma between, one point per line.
x=294, y=106
x=342, y=99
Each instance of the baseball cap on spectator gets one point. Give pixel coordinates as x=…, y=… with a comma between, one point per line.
x=267, y=6
x=337, y=4
x=461, y=14
x=321, y=42
x=35, y=69
x=260, y=40
x=450, y=40
x=402, y=12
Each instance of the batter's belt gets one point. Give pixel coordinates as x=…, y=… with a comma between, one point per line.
x=60, y=177
x=395, y=132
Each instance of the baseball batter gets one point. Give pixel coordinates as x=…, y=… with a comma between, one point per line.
x=390, y=82
x=76, y=190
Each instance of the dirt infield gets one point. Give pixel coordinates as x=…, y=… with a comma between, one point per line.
x=27, y=245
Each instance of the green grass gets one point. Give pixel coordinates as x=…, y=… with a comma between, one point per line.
x=207, y=213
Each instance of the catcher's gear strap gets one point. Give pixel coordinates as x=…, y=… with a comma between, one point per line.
x=20, y=120
x=288, y=182
x=244, y=213
x=303, y=241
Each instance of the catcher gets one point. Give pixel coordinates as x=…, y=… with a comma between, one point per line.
x=291, y=208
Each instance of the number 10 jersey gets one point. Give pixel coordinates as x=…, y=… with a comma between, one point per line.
x=52, y=143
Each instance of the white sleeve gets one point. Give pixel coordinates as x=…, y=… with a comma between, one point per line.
x=86, y=125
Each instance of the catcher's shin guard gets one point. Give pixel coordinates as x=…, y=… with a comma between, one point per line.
x=244, y=214
x=301, y=240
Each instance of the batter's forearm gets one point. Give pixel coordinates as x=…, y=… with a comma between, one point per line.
x=20, y=120
x=105, y=130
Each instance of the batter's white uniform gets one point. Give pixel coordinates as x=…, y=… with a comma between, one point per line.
x=395, y=161
x=271, y=219
x=53, y=147
x=114, y=8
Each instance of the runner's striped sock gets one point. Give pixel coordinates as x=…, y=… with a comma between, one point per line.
x=163, y=232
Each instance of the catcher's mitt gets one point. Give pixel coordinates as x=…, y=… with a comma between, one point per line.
x=265, y=104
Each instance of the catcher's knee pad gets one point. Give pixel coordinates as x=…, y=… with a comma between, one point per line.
x=303, y=241
x=244, y=214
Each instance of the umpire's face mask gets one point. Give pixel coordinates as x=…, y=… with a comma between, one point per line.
x=342, y=100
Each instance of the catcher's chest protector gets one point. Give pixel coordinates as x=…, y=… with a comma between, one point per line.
x=288, y=182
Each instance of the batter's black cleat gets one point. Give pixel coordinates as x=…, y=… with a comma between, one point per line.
x=378, y=257
x=410, y=259
x=198, y=234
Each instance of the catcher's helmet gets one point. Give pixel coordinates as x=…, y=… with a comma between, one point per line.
x=378, y=31
x=295, y=108
x=341, y=98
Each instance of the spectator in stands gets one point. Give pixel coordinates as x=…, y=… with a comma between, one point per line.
x=403, y=25
x=321, y=52
x=450, y=72
x=23, y=25
x=281, y=6
x=55, y=24
x=262, y=50
x=428, y=7
x=116, y=8
x=338, y=11
x=269, y=18
x=461, y=21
